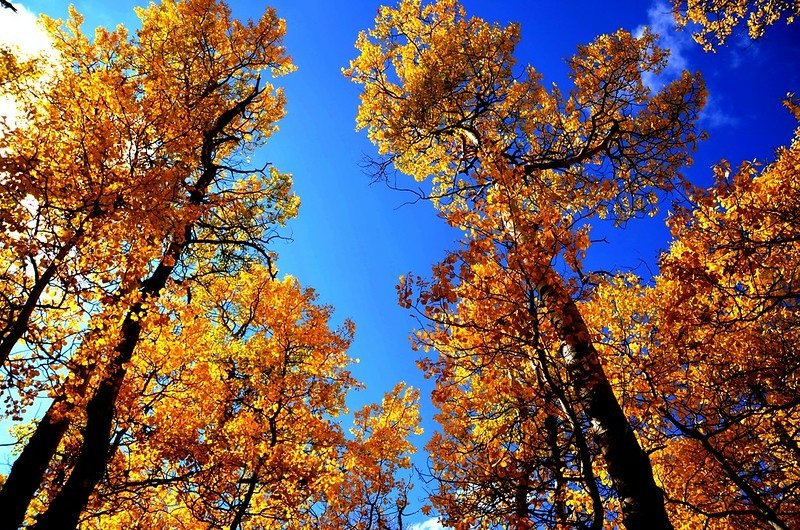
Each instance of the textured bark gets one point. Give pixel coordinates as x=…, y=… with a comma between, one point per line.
x=64, y=511
x=27, y=473
x=557, y=464
x=642, y=501
x=584, y=455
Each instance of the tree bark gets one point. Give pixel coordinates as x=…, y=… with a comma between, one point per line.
x=28, y=470
x=642, y=501
x=65, y=509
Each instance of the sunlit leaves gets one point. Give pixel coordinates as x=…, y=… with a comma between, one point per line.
x=520, y=169
x=444, y=100
x=714, y=21
x=706, y=356
x=236, y=386
x=190, y=386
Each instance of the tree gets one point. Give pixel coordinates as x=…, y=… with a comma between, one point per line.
x=120, y=239
x=712, y=344
x=714, y=21
x=370, y=495
x=520, y=170
x=265, y=379
x=194, y=120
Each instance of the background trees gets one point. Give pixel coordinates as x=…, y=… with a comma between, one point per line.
x=516, y=379
x=521, y=170
x=712, y=344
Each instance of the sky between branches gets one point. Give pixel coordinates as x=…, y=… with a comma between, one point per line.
x=351, y=240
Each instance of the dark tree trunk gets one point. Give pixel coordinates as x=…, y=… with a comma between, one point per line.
x=29, y=468
x=642, y=501
x=20, y=325
x=65, y=509
x=241, y=510
x=557, y=465
x=28, y=471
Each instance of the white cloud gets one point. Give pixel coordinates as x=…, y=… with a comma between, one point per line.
x=660, y=21
x=742, y=50
x=713, y=115
x=21, y=31
x=430, y=524
x=679, y=44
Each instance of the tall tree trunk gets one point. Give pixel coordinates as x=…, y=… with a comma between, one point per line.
x=30, y=466
x=642, y=501
x=28, y=470
x=557, y=465
x=65, y=509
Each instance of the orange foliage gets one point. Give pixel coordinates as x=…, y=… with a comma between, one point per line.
x=707, y=355
x=714, y=21
x=190, y=386
x=532, y=433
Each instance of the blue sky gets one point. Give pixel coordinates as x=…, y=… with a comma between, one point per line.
x=351, y=240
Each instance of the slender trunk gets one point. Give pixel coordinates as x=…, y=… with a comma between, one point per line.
x=241, y=511
x=642, y=501
x=584, y=455
x=29, y=468
x=65, y=509
x=28, y=471
x=557, y=463
x=521, y=513
x=20, y=324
